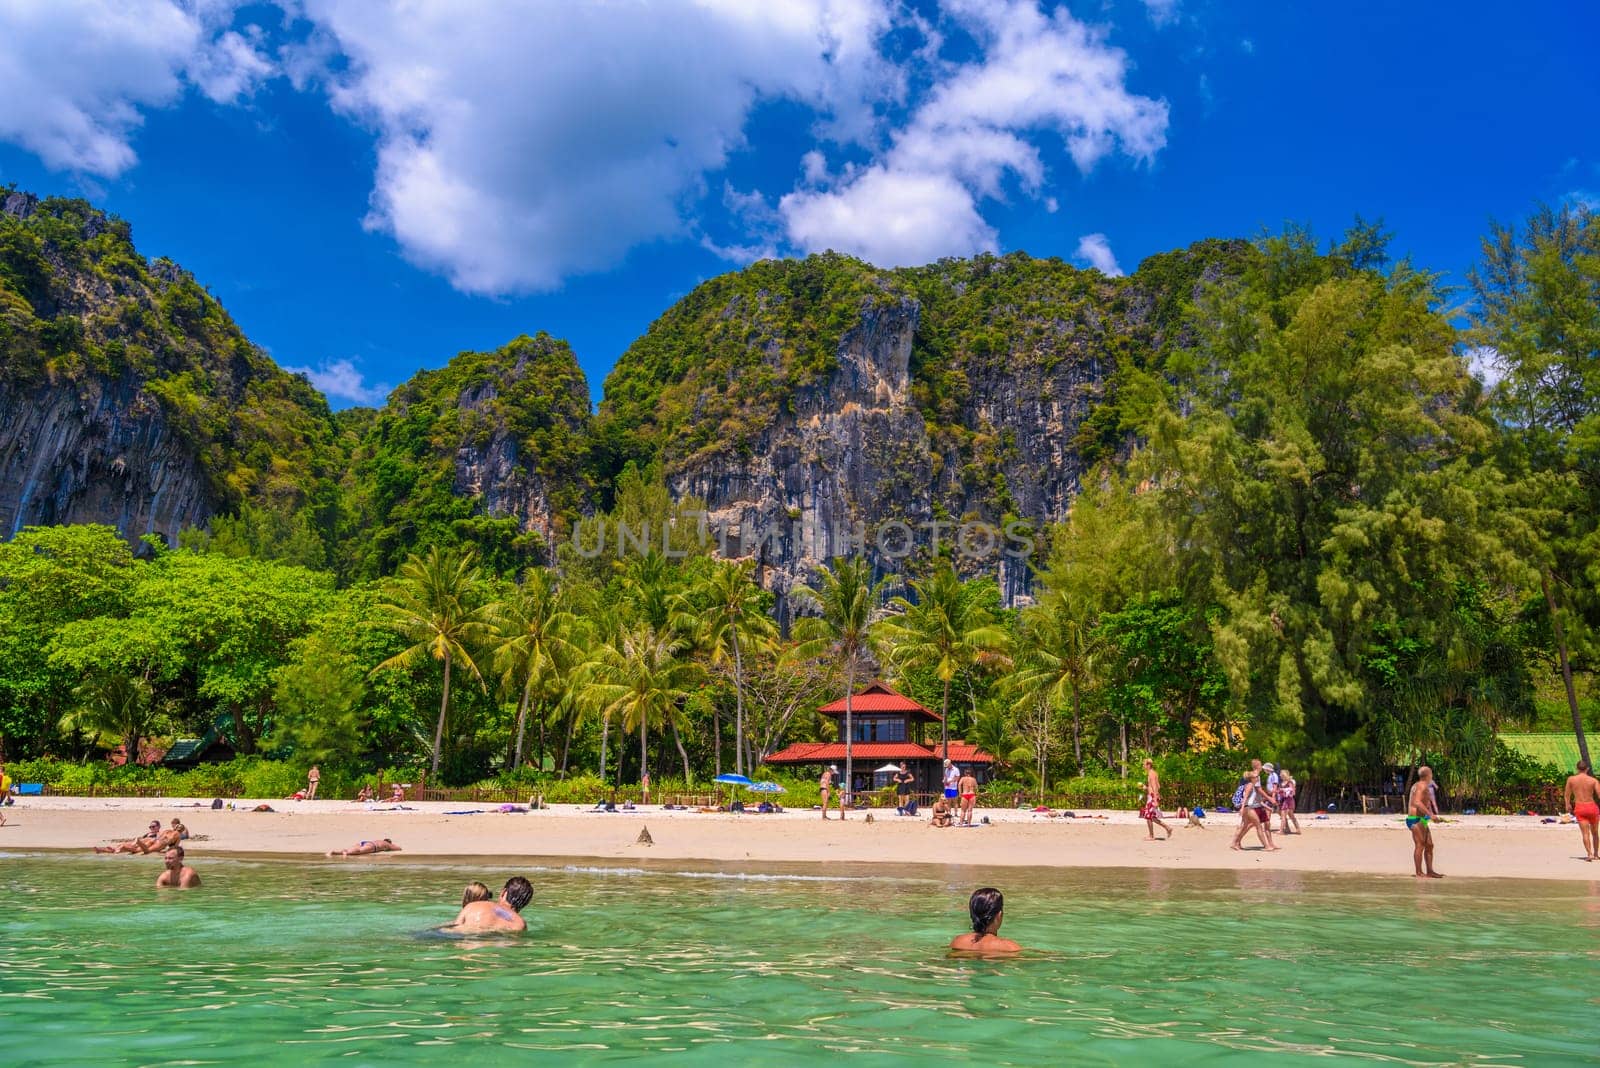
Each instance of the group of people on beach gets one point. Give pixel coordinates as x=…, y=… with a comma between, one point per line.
x=175, y=872
x=1264, y=791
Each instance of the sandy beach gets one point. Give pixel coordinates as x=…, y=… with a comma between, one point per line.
x=1467, y=846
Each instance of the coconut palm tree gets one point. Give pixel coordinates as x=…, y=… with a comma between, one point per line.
x=1058, y=654
x=435, y=602
x=950, y=626
x=113, y=703
x=847, y=604
x=642, y=680
x=533, y=642
x=727, y=614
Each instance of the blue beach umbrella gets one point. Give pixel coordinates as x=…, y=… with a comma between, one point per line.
x=766, y=788
x=731, y=779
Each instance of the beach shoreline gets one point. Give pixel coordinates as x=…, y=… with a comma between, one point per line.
x=1467, y=846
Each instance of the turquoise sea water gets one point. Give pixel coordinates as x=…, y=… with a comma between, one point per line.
x=275, y=962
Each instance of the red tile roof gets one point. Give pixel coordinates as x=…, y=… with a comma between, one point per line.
x=833, y=752
x=879, y=698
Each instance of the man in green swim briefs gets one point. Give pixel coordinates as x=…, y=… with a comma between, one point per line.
x=1421, y=810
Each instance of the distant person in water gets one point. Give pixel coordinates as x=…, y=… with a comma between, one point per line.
x=1150, y=811
x=501, y=915
x=382, y=845
x=1422, y=809
x=1582, y=796
x=987, y=909
x=475, y=891
x=177, y=875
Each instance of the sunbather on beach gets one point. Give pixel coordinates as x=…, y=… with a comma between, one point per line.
x=1582, y=796
x=987, y=909
x=382, y=845
x=142, y=844
x=177, y=875
x=501, y=915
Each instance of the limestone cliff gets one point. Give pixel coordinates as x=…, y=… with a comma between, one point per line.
x=127, y=395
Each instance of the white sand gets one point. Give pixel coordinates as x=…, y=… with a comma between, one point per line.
x=1499, y=846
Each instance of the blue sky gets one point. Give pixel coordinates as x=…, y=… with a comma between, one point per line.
x=370, y=192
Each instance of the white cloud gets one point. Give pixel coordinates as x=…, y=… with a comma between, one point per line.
x=1486, y=365
x=75, y=74
x=1095, y=250
x=920, y=200
x=1162, y=12
x=343, y=380
x=521, y=143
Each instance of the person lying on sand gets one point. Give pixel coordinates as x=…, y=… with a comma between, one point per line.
x=382, y=845
x=987, y=909
x=501, y=915
x=145, y=843
x=177, y=875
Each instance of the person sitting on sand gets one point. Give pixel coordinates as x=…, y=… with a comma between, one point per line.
x=1423, y=808
x=177, y=875
x=1582, y=797
x=183, y=832
x=382, y=845
x=987, y=909
x=941, y=813
x=154, y=840
x=501, y=915
x=399, y=794
x=475, y=891
x=364, y=794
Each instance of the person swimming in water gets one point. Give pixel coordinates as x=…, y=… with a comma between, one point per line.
x=501, y=915
x=987, y=909
x=176, y=874
x=475, y=891
x=364, y=848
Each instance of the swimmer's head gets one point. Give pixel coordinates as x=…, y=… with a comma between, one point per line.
x=475, y=891
x=518, y=892
x=985, y=907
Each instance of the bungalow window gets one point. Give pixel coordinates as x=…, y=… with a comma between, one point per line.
x=880, y=729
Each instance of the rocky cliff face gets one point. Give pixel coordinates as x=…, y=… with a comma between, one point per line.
x=96, y=452
x=951, y=413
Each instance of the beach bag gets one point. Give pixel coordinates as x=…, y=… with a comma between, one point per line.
x=1238, y=796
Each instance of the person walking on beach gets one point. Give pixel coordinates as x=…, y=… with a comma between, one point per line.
x=1421, y=809
x=1286, y=792
x=986, y=908
x=313, y=777
x=825, y=786
x=1582, y=796
x=177, y=875
x=1150, y=811
x=967, y=787
x=1253, y=812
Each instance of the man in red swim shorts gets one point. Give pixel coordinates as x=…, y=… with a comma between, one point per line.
x=1583, y=801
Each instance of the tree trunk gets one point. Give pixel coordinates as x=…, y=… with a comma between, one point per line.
x=849, y=737
x=444, y=705
x=522, y=722
x=1077, y=736
x=644, y=758
x=566, y=741
x=1566, y=665
x=1122, y=731
x=944, y=721
x=541, y=738
x=738, y=710
x=683, y=754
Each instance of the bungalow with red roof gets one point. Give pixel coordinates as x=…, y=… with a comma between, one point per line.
x=887, y=726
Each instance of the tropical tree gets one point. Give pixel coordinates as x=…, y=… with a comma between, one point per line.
x=114, y=703
x=727, y=613
x=435, y=602
x=1538, y=321
x=1056, y=656
x=642, y=680
x=533, y=633
x=946, y=630
x=847, y=606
